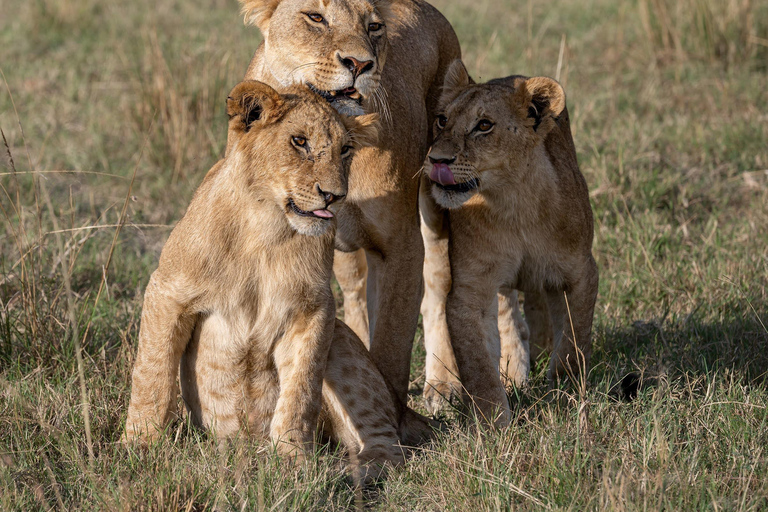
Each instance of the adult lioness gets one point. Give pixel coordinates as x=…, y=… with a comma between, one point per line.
x=339, y=48
x=242, y=293
x=503, y=166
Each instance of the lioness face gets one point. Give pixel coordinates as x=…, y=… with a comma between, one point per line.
x=485, y=133
x=336, y=47
x=296, y=147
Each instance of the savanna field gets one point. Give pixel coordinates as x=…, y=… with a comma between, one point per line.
x=111, y=113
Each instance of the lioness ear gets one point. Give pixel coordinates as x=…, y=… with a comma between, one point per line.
x=252, y=103
x=542, y=100
x=456, y=80
x=363, y=130
x=259, y=12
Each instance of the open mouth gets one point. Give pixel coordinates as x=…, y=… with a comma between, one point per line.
x=318, y=214
x=466, y=186
x=331, y=96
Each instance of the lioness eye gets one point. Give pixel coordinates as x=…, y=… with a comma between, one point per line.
x=441, y=119
x=373, y=27
x=346, y=151
x=315, y=17
x=299, y=141
x=484, y=125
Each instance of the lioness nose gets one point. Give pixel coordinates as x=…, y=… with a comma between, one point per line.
x=355, y=66
x=442, y=160
x=329, y=197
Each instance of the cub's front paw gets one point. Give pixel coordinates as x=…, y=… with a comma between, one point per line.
x=294, y=448
x=137, y=434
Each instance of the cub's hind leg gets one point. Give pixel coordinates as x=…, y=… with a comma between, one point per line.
x=359, y=409
x=539, y=323
x=515, y=362
x=572, y=315
x=442, y=380
x=216, y=384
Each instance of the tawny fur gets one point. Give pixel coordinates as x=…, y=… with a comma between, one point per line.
x=526, y=226
x=241, y=298
x=380, y=215
x=508, y=335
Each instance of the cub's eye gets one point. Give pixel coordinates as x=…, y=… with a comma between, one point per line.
x=299, y=141
x=441, y=120
x=315, y=17
x=484, y=125
x=346, y=151
x=375, y=27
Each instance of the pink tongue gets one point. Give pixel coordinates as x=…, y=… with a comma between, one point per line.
x=323, y=213
x=442, y=174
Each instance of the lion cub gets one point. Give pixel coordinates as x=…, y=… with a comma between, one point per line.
x=242, y=296
x=505, y=204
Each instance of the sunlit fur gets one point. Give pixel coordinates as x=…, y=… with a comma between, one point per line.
x=241, y=298
x=527, y=226
x=284, y=171
x=409, y=56
x=300, y=50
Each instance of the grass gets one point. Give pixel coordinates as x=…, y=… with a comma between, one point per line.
x=668, y=104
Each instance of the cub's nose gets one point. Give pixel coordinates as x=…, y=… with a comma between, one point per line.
x=441, y=160
x=329, y=197
x=355, y=66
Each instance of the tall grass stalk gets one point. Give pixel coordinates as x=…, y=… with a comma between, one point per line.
x=74, y=328
x=712, y=30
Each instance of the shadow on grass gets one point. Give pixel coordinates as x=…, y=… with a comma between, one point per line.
x=631, y=360
x=688, y=345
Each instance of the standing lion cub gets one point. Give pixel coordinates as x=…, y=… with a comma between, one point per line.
x=504, y=204
x=242, y=300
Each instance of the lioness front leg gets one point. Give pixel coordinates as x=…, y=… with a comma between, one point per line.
x=571, y=315
x=300, y=358
x=396, y=278
x=351, y=271
x=442, y=381
x=165, y=330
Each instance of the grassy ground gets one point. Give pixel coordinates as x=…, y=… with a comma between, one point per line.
x=113, y=112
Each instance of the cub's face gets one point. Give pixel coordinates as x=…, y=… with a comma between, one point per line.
x=335, y=47
x=295, y=147
x=485, y=133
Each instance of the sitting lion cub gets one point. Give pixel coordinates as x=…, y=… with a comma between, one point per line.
x=242, y=296
x=518, y=217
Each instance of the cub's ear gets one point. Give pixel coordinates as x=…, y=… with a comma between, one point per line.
x=259, y=12
x=540, y=100
x=363, y=130
x=456, y=80
x=253, y=103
